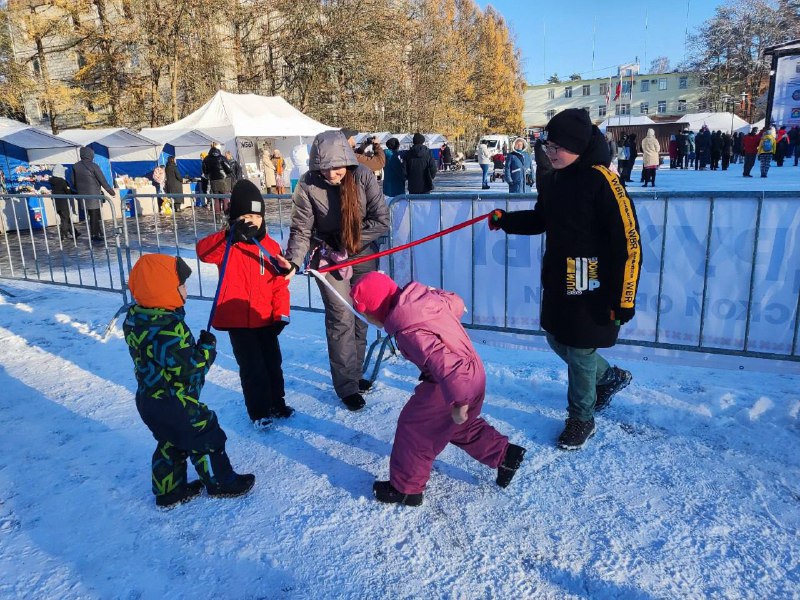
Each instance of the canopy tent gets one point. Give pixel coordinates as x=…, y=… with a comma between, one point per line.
x=185, y=146
x=715, y=121
x=625, y=121
x=241, y=121
x=22, y=145
x=27, y=155
x=118, y=150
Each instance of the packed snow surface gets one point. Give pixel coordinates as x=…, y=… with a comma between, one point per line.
x=689, y=489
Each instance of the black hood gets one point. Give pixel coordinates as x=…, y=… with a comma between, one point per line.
x=597, y=153
x=214, y=152
x=86, y=153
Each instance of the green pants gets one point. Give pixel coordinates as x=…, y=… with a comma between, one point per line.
x=169, y=467
x=585, y=369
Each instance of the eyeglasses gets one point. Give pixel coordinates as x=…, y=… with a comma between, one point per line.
x=551, y=148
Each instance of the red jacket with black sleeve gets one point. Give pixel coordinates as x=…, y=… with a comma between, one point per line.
x=252, y=295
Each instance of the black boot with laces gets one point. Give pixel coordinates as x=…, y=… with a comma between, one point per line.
x=575, y=434
x=614, y=380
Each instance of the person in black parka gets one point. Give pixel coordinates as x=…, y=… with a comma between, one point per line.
x=88, y=180
x=420, y=167
x=590, y=268
x=60, y=187
x=173, y=183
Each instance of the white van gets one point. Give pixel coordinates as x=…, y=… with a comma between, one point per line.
x=495, y=143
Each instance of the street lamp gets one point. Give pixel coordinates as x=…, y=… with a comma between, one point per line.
x=729, y=103
x=743, y=96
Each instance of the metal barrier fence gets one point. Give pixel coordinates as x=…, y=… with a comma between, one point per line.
x=720, y=270
x=720, y=273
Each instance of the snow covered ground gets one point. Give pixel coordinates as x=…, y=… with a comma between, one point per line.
x=690, y=489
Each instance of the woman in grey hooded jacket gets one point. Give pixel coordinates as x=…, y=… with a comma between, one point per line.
x=338, y=212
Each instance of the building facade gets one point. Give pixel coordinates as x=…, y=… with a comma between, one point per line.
x=663, y=96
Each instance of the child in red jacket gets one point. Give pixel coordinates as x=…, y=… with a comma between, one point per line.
x=253, y=304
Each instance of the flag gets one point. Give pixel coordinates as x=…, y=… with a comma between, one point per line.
x=618, y=91
x=630, y=90
x=608, y=92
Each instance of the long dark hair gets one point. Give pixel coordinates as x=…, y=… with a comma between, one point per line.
x=351, y=212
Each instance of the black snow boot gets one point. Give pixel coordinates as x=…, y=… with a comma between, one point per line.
x=614, y=380
x=385, y=492
x=364, y=385
x=282, y=412
x=575, y=434
x=354, y=402
x=235, y=485
x=512, y=461
x=180, y=495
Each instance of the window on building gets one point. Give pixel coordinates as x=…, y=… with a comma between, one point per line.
x=568, y=92
x=587, y=89
x=662, y=106
x=644, y=108
x=662, y=83
x=644, y=85
x=601, y=111
x=683, y=83
x=702, y=105
x=623, y=109
x=549, y=114
x=681, y=105
x=551, y=94
x=603, y=89
x=626, y=86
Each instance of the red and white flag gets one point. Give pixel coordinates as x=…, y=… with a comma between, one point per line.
x=618, y=91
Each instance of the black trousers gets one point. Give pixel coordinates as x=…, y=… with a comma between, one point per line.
x=95, y=228
x=65, y=226
x=749, y=162
x=258, y=354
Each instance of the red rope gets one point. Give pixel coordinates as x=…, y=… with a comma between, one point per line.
x=357, y=261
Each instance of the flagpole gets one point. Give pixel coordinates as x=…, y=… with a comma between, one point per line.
x=594, y=37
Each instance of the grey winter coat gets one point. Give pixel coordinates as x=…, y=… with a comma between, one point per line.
x=316, y=206
x=88, y=179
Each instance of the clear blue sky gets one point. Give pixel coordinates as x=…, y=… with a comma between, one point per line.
x=620, y=38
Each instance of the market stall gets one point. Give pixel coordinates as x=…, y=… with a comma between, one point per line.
x=185, y=146
x=27, y=156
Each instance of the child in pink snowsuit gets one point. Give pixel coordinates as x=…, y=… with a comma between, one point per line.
x=446, y=405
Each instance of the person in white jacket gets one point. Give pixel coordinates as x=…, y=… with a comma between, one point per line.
x=650, y=157
x=485, y=161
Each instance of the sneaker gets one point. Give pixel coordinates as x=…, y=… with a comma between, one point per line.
x=512, y=461
x=282, y=412
x=364, y=385
x=237, y=485
x=262, y=424
x=615, y=380
x=354, y=402
x=180, y=495
x=385, y=492
x=575, y=434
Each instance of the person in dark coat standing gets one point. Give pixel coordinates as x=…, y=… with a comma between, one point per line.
x=702, y=142
x=394, y=176
x=235, y=167
x=737, y=147
x=632, y=153
x=88, y=180
x=60, y=187
x=727, y=150
x=218, y=172
x=716, y=149
x=447, y=157
x=420, y=167
x=683, y=149
x=591, y=264
x=173, y=182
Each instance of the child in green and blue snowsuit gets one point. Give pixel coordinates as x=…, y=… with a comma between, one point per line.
x=170, y=369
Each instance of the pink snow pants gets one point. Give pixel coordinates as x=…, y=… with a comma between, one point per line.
x=425, y=427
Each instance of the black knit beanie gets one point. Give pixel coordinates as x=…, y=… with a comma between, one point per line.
x=245, y=200
x=184, y=270
x=418, y=139
x=571, y=129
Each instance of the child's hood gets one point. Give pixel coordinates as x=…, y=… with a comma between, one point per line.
x=154, y=282
x=418, y=304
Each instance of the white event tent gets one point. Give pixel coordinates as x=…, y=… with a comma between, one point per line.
x=625, y=120
x=243, y=121
x=715, y=121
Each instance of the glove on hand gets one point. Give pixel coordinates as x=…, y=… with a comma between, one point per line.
x=206, y=337
x=622, y=315
x=281, y=270
x=243, y=231
x=496, y=218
